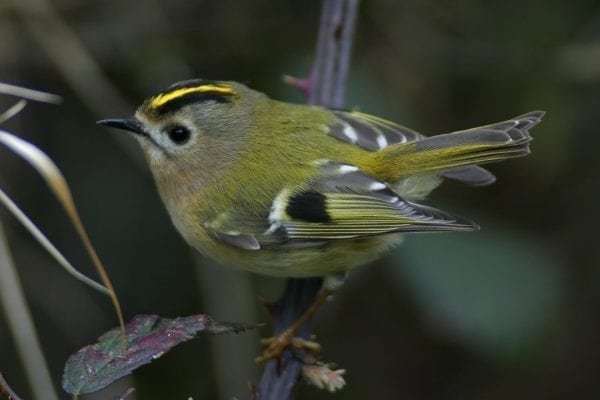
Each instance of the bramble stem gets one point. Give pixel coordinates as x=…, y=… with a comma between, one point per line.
x=327, y=88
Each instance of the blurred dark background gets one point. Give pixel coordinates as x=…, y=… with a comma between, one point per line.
x=509, y=312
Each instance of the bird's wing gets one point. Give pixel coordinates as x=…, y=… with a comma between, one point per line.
x=369, y=132
x=340, y=202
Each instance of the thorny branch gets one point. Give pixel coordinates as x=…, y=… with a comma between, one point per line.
x=325, y=86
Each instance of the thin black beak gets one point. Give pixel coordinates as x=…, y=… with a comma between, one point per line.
x=128, y=124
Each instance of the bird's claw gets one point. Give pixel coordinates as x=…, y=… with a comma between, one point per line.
x=276, y=345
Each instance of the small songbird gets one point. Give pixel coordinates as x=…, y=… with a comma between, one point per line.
x=293, y=190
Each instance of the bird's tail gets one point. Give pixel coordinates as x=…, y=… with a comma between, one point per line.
x=456, y=150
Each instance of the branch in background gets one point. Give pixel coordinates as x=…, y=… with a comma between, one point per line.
x=325, y=86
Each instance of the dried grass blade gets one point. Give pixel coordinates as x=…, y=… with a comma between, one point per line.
x=58, y=186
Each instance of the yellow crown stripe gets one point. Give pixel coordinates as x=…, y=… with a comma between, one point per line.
x=166, y=97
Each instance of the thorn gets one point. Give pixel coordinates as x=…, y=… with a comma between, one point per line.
x=305, y=85
x=271, y=307
x=253, y=390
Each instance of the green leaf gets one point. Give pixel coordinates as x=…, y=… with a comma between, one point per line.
x=147, y=336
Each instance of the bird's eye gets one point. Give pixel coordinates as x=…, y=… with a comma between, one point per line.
x=179, y=134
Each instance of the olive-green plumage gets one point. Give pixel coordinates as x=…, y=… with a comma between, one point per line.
x=294, y=190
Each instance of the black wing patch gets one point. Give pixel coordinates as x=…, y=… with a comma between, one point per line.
x=308, y=206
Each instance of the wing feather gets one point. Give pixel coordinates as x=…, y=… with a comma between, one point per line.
x=355, y=205
x=340, y=202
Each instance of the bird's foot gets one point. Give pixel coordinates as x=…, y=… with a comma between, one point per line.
x=276, y=345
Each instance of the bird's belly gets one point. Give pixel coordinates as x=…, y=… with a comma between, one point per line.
x=335, y=256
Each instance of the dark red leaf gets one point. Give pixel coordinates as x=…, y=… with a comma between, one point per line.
x=147, y=337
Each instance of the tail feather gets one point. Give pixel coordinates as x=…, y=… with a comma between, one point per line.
x=470, y=175
x=455, y=152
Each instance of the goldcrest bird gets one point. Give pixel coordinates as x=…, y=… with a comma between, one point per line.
x=293, y=190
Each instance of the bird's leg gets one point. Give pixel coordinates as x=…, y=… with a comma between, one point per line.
x=277, y=344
